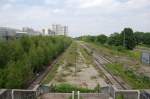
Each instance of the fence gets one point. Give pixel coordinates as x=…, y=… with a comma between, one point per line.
x=45, y=93
x=5, y=94
x=56, y=96
x=127, y=94
x=23, y=94
x=18, y=94
x=94, y=96
x=145, y=94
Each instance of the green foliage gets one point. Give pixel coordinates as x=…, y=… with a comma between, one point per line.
x=146, y=38
x=68, y=88
x=128, y=38
x=139, y=37
x=102, y=39
x=115, y=39
x=98, y=88
x=135, y=80
x=21, y=59
x=51, y=74
x=142, y=38
x=119, y=96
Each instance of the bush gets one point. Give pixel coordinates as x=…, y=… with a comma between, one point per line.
x=68, y=88
x=21, y=59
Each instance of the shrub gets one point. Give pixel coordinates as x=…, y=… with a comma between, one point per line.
x=21, y=59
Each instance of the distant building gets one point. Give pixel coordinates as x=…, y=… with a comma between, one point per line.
x=43, y=31
x=7, y=33
x=65, y=30
x=10, y=33
x=20, y=34
x=30, y=31
x=56, y=29
x=59, y=29
x=48, y=31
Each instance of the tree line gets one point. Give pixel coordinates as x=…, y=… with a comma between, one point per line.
x=127, y=39
x=23, y=59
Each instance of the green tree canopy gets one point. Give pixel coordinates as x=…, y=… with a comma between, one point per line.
x=128, y=38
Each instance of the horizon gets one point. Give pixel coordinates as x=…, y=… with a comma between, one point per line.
x=83, y=17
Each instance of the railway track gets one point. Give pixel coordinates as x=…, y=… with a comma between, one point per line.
x=101, y=61
x=38, y=80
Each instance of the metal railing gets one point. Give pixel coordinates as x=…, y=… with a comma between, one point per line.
x=24, y=94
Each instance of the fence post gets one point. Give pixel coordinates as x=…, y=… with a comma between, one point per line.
x=138, y=94
x=72, y=94
x=12, y=94
x=78, y=94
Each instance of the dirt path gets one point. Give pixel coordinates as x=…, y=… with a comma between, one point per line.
x=80, y=74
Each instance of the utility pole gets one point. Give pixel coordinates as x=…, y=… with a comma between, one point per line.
x=75, y=60
x=124, y=39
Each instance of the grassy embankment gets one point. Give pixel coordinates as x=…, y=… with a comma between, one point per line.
x=137, y=81
x=119, y=51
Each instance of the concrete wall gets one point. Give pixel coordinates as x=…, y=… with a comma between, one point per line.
x=18, y=94
x=127, y=94
x=94, y=96
x=24, y=94
x=145, y=94
x=5, y=94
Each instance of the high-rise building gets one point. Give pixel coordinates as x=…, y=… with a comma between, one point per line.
x=59, y=29
x=7, y=33
x=30, y=31
x=65, y=30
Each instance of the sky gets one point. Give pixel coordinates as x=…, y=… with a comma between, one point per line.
x=83, y=17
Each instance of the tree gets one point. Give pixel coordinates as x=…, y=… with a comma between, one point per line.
x=115, y=39
x=21, y=59
x=139, y=37
x=128, y=38
x=146, y=38
x=101, y=39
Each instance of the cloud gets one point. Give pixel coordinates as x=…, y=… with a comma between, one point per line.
x=96, y=3
x=6, y=6
x=82, y=16
x=49, y=2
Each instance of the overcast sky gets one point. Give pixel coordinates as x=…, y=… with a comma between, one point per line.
x=82, y=16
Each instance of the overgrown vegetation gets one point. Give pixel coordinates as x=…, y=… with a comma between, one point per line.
x=51, y=74
x=126, y=39
x=21, y=60
x=120, y=96
x=87, y=56
x=137, y=81
x=71, y=55
x=67, y=60
x=116, y=50
x=68, y=88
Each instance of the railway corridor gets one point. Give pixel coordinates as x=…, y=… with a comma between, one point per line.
x=101, y=61
x=80, y=72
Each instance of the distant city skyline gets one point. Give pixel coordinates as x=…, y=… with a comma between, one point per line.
x=83, y=17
